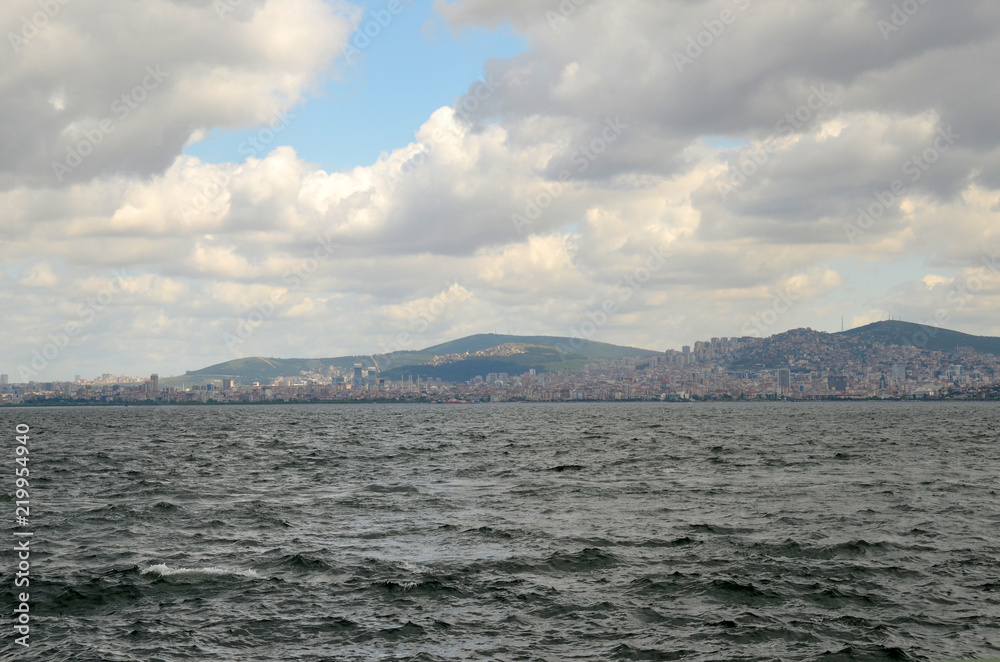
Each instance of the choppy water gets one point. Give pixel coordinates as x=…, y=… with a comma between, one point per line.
x=824, y=531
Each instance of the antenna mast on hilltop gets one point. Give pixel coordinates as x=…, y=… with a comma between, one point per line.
x=841, y=323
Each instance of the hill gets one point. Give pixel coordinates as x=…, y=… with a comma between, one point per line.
x=264, y=370
x=588, y=348
x=807, y=350
x=923, y=337
x=456, y=360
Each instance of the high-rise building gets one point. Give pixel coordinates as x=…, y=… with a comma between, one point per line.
x=155, y=382
x=359, y=376
x=227, y=383
x=4, y=380
x=784, y=380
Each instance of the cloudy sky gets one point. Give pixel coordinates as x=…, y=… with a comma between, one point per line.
x=183, y=182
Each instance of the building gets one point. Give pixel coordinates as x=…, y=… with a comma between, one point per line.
x=154, y=383
x=359, y=376
x=4, y=380
x=227, y=383
x=784, y=381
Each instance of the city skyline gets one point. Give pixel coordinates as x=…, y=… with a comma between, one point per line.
x=818, y=367
x=376, y=368
x=26, y=373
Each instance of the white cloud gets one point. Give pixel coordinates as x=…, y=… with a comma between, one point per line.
x=109, y=87
x=429, y=224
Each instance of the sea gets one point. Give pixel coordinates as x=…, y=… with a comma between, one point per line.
x=509, y=532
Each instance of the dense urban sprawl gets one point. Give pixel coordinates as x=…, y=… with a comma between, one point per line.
x=799, y=364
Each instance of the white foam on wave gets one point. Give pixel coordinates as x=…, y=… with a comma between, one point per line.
x=164, y=570
x=411, y=567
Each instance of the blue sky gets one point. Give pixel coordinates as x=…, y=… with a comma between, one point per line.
x=416, y=65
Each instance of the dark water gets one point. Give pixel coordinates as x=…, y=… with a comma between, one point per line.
x=825, y=531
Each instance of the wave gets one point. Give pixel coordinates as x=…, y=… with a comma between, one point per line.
x=656, y=542
x=731, y=589
x=626, y=652
x=490, y=532
x=851, y=549
x=80, y=598
x=392, y=489
x=432, y=586
x=301, y=561
x=163, y=570
x=586, y=560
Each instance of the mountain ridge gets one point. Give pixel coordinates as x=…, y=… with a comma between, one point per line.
x=923, y=336
x=541, y=353
x=480, y=354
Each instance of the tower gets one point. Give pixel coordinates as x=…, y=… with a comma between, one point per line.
x=784, y=381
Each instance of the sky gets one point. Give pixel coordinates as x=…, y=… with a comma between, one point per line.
x=185, y=182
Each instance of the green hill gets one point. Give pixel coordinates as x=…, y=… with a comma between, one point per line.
x=265, y=370
x=541, y=358
x=923, y=337
x=456, y=360
x=588, y=348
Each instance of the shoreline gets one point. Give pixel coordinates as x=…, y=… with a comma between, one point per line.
x=39, y=405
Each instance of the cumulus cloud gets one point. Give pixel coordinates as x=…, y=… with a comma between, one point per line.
x=102, y=87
